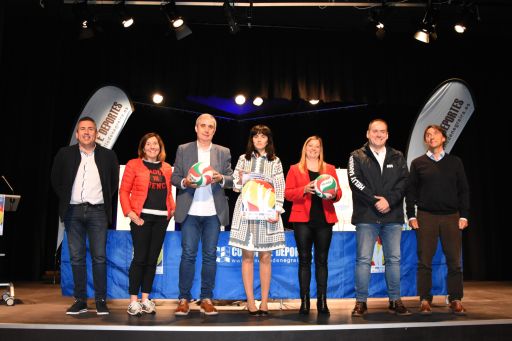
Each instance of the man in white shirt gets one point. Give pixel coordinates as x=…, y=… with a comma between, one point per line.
x=85, y=177
x=201, y=211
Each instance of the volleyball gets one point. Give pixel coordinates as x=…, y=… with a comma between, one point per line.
x=201, y=174
x=326, y=186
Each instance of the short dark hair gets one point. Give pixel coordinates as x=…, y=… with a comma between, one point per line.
x=86, y=118
x=378, y=120
x=260, y=129
x=142, y=144
x=439, y=129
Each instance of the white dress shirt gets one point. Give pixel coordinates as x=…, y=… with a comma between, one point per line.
x=87, y=185
x=203, y=204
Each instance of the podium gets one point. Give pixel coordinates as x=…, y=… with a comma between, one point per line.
x=8, y=203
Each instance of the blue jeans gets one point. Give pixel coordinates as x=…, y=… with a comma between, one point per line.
x=366, y=235
x=82, y=222
x=193, y=229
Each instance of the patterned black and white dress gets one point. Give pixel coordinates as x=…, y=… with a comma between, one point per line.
x=258, y=235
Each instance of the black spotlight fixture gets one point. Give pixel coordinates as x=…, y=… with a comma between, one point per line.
x=466, y=15
x=176, y=21
x=229, y=12
x=125, y=19
x=87, y=21
x=377, y=23
x=427, y=31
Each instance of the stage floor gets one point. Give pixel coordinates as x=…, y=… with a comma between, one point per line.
x=41, y=304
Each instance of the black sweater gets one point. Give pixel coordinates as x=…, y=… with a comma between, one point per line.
x=437, y=187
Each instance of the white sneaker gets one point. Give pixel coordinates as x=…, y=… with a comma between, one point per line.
x=135, y=308
x=148, y=307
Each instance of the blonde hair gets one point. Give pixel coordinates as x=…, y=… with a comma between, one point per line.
x=302, y=163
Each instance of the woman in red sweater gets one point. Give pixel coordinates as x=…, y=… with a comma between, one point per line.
x=312, y=219
x=146, y=198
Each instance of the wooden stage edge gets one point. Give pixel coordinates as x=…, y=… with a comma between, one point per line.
x=39, y=313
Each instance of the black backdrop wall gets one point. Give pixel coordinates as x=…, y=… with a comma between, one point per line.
x=47, y=75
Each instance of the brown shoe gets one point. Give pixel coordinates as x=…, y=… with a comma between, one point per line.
x=183, y=308
x=207, y=307
x=360, y=309
x=398, y=308
x=457, y=308
x=425, y=308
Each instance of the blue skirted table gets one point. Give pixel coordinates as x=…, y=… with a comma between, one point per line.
x=229, y=284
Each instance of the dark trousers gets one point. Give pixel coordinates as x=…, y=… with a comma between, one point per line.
x=432, y=227
x=306, y=236
x=147, y=242
x=82, y=222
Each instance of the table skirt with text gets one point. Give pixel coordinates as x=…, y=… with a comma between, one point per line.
x=229, y=285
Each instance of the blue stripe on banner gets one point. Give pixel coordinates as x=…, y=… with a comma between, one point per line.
x=229, y=284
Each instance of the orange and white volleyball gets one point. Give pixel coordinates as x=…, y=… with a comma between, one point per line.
x=326, y=186
x=258, y=195
x=201, y=174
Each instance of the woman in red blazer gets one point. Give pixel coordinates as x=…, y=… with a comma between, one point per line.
x=146, y=198
x=312, y=219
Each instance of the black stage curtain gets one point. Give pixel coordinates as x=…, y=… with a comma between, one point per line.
x=47, y=75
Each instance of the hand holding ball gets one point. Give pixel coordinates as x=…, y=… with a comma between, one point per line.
x=325, y=186
x=200, y=174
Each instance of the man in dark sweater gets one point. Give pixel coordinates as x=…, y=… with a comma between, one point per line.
x=438, y=186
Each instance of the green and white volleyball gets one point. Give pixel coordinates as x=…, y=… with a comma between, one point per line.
x=325, y=186
x=201, y=174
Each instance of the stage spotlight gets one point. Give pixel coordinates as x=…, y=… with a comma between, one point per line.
x=460, y=27
x=427, y=31
x=88, y=25
x=125, y=19
x=257, y=101
x=157, y=98
x=240, y=99
x=314, y=101
x=466, y=15
x=176, y=22
x=229, y=12
x=374, y=17
x=380, y=31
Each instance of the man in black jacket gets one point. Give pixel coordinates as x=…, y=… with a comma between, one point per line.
x=377, y=176
x=439, y=188
x=85, y=176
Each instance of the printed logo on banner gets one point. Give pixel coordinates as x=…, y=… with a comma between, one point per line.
x=378, y=262
x=160, y=263
x=228, y=254
x=287, y=255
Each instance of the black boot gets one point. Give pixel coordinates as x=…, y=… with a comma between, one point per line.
x=304, y=304
x=321, y=304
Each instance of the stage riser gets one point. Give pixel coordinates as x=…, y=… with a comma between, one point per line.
x=456, y=333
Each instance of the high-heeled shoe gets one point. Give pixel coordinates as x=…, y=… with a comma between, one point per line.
x=263, y=312
x=321, y=304
x=304, y=305
x=254, y=313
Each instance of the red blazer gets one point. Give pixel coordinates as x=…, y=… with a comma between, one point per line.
x=294, y=192
x=135, y=186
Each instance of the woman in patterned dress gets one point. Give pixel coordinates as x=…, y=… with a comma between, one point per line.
x=264, y=235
